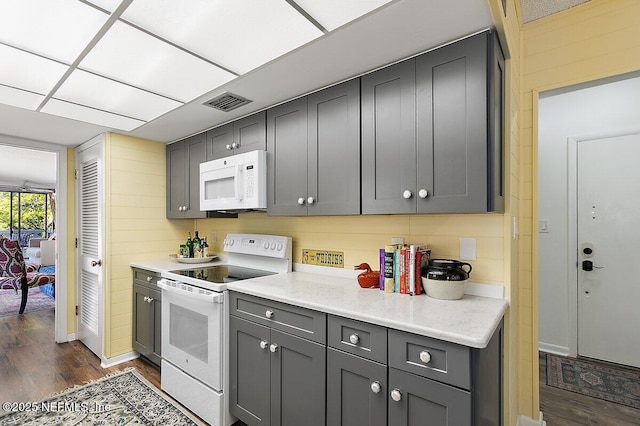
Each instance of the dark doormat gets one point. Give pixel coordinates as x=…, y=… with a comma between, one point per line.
x=596, y=379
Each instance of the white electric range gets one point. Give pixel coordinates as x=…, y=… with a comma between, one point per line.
x=195, y=329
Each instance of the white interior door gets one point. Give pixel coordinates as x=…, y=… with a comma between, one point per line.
x=90, y=213
x=608, y=233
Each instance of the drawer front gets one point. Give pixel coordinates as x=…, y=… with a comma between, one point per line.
x=143, y=276
x=358, y=338
x=436, y=359
x=300, y=322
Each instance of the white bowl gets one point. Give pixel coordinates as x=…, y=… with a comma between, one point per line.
x=447, y=290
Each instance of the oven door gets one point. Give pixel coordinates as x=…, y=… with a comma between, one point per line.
x=192, y=333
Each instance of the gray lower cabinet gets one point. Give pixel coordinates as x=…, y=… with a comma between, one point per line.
x=356, y=390
x=314, y=153
x=183, y=177
x=432, y=139
x=244, y=135
x=276, y=377
x=147, y=314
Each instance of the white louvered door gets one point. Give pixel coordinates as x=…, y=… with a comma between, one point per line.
x=90, y=241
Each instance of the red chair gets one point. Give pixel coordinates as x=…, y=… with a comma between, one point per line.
x=14, y=272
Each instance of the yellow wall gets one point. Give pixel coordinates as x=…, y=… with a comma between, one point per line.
x=597, y=39
x=136, y=224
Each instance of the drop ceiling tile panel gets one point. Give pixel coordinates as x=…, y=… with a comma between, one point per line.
x=30, y=72
x=109, y=5
x=90, y=115
x=238, y=34
x=87, y=89
x=332, y=14
x=20, y=98
x=137, y=58
x=57, y=29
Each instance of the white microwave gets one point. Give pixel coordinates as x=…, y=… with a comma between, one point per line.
x=238, y=182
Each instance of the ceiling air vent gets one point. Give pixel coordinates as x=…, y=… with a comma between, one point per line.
x=227, y=102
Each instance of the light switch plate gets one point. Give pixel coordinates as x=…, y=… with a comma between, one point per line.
x=543, y=226
x=467, y=249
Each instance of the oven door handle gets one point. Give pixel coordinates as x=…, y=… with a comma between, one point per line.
x=212, y=298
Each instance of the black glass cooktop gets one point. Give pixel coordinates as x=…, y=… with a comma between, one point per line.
x=222, y=273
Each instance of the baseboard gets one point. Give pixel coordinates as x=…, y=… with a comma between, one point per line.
x=110, y=362
x=553, y=349
x=71, y=337
x=528, y=421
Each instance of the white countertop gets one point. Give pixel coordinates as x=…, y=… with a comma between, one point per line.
x=470, y=321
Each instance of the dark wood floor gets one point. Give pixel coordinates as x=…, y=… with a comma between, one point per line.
x=32, y=365
x=564, y=408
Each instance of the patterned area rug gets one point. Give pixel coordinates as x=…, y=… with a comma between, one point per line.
x=36, y=301
x=614, y=384
x=124, y=398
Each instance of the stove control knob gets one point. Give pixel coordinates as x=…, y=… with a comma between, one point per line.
x=273, y=245
x=279, y=247
x=266, y=245
x=269, y=314
x=230, y=242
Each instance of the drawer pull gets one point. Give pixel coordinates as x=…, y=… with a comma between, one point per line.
x=354, y=339
x=149, y=279
x=425, y=357
x=264, y=344
x=396, y=395
x=376, y=387
x=269, y=314
x=273, y=348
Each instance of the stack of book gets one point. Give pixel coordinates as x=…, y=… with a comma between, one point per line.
x=400, y=266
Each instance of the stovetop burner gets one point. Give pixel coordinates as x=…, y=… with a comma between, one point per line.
x=222, y=273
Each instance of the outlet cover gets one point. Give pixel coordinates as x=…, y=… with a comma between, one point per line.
x=397, y=240
x=467, y=249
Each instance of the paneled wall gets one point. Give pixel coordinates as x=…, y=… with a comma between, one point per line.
x=594, y=40
x=136, y=226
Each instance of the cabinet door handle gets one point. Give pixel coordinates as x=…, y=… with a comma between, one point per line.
x=423, y=193
x=376, y=387
x=273, y=348
x=228, y=147
x=269, y=314
x=425, y=356
x=354, y=338
x=407, y=194
x=264, y=344
x=149, y=299
x=396, y=395
x=179, y=208
x=311, y=200
x=235, y=145
x=145, y=299
x=149, y=279
x=301, y=201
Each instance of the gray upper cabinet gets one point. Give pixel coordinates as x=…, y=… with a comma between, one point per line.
x=244, y=135
x=454, y=164
x=314, y=153
x=183, y=177
x=388, y=139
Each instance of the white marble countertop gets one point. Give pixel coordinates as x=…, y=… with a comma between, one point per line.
x=470, y=321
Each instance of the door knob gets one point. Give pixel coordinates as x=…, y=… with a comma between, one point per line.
x=96, y=262
x=588, y=266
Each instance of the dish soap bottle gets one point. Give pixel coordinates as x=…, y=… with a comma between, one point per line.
x=197, y=246
x=190, y=245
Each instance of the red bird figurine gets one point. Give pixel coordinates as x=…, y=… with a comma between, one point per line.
x=368, y=278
